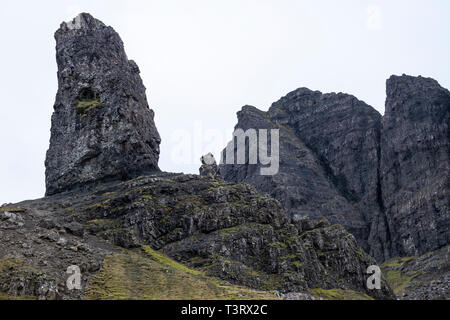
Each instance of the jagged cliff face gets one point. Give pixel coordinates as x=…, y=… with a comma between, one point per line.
x=102, y=126
x=415, y=165
x=385, y=179
x=328, y=158
x=126, y=235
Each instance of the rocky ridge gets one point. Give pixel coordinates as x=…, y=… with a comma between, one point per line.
x=226, y=232
x=415, y=166
x=137, y=233
x=377, y=176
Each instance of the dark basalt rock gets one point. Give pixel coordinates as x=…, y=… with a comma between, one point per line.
x=103, y=131
x=229, y=231
x=328, y=158
x=385, y=179
x=415, y=165
x=426, y=277
x=102, y=127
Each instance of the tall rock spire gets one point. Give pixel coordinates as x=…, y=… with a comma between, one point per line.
x=102, y=126
x=415, y=164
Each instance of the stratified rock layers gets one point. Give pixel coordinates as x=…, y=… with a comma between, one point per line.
x=415, y=165
x=385, y=179
x=328, y=158
x=102, y=126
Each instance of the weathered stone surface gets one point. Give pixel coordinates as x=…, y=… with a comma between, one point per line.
x=385, y=179
x=415, y=165
x=102, y=127
x=34, y=256
x=425, y=277
x=228, y=231
x=209, y=167
x=328, y=158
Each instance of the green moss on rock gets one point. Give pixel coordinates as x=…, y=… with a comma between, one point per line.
x=13, y=270
x=13, y=209
x=397, y=277
x=86, y=105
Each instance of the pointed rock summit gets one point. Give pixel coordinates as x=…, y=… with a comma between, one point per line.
x=328, y=158
x=102, y=126
x=384, y=178
x=415, y=165
x=103, y=129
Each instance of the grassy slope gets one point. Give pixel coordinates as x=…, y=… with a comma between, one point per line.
x=148, y=274
x=397, y=278
x=339, y=294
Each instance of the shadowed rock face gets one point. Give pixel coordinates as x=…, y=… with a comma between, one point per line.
x=328, y=158
x=102, y=127
x=385, y=179
x=415, y=165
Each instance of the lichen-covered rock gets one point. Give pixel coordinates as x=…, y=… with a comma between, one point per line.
x=20, y=280
x=102, y=127
x=34, y=256
x=231, y=240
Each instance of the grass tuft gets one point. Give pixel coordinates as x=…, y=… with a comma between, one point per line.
x=84, y=106
x=339, y=294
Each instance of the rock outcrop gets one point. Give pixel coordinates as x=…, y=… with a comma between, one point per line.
x=209, y=167
x=328, y=158
x=385, y=179
x=415, y=165
x=226, y=231
x=139, y=238
x=102, y=127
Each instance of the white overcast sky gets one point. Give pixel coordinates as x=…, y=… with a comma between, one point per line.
x=201, y=61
